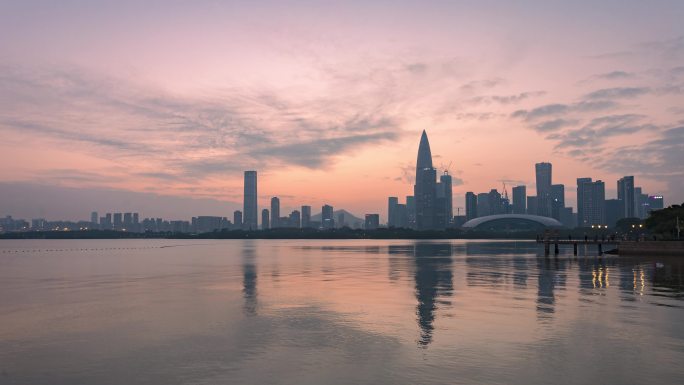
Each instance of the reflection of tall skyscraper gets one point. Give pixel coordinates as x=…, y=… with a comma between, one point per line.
x=275, y=212
x=543, y=178
x=434, y=278
x=425, y=188
x=250, y=201
x=249, y=278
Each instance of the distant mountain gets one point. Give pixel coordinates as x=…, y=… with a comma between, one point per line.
x=350, y=220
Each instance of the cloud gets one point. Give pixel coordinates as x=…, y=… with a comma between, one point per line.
x=553, y=125
x=615, y=75
x=618, y=93
x=187, y=137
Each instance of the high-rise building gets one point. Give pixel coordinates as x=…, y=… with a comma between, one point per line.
x=593, y=203
x=265, y=221
x=445, y=194
x=401, y=216
x=306, y=216
x=250, y=208
x=519, y=200
x=392, y=203
x=275, y=212
x=483, y=205
x=327, y=220
x=580, y=201
x=93, y=217
x=613, y=209
x=543, y=179
x=372, y=222
x=425, y=188
x=471, y=205
x=532, y=205
x=295, y=219
x=641, y=203
x=237, y=219
x=118, y=221
x=128, y=220
x=411, y=211
x=557, y=200
x=655, y=202
x=495, y=204
x=625, y=190
x=566, y=217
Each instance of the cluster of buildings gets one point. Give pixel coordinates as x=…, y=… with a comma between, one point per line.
x=593, y=209
x=429, y=208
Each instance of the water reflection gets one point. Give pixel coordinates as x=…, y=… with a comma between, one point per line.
x=434, y=279
x=551, y=274
x=249, y=278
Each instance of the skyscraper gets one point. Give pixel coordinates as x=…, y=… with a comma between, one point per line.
x=425, y=188
x=93, y=217
x=655, y=202
x=543, y=179
x=519, y=199
x=372, y=221
x=237, y=219
x=625, y=191
x=275, y=212
x=593, y=203
x=265, y=222
x=392, y=203
x=483, y=205
x=327, y=220
x=580, y=201
x=306, y=216
x=411, y=211
x=295, y=219
x=249, y=207
x=557, y=200
x=446, y=193
x=470, y=205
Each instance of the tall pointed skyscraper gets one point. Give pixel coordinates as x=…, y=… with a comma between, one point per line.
x=425, y=189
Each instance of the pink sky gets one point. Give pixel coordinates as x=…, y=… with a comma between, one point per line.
x=328, y=101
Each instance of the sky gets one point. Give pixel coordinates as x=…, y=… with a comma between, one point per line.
x=159, y=106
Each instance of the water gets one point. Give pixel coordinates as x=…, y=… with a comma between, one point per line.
x=334, y=312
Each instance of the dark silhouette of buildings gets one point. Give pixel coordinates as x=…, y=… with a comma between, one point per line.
x=470, y=205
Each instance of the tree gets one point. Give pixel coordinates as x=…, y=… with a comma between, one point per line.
x=664, y=222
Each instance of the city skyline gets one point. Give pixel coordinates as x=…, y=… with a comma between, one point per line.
x=430, y=208
x=162, y=103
